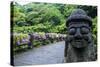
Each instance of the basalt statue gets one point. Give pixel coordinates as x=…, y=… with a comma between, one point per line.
x=79, y=45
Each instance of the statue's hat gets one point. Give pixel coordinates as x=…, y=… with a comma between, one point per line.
x=78, y=16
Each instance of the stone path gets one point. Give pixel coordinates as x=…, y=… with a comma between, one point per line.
x=49, y=54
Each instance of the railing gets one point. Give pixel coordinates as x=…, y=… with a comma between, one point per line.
x=36, y=39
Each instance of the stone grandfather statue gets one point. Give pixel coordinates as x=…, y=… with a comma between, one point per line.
x=79, y=45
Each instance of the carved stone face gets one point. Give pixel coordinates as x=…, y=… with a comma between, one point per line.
x=79, y=34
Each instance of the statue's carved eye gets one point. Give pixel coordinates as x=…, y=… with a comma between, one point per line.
x=72, y=31
x=84, y=30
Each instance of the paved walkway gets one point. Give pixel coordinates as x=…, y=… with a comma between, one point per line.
x=49, y=54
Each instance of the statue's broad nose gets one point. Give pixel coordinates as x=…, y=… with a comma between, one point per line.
x=78, y=34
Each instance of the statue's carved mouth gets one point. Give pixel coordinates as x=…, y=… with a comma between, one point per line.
x=78, y=40
x=79, y=43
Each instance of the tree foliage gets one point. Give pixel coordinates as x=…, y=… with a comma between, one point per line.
x=46, y=17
